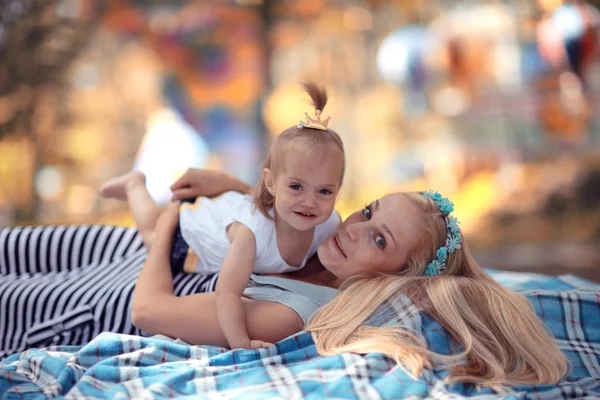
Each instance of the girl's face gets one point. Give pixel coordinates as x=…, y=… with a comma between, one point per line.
x=306, y=188
x=376, y=239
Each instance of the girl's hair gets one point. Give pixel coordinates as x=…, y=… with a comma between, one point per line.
x=311, y=142
x=503, y=341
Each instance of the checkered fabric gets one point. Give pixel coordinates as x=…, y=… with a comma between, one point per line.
x=121, y=366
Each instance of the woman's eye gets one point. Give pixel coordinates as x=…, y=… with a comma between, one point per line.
x=295, y=186
x=380, y=241
x=367, y=212
x=325, y=191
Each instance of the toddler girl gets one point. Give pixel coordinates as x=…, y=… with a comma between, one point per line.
x=273, y=230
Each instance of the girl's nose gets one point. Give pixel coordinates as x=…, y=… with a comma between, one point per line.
x=309, y=200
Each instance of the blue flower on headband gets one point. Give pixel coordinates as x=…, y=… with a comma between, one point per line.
x=453, y=224
x=442, y=254
x=454, y=243
x=434, y=268
x=445, y=205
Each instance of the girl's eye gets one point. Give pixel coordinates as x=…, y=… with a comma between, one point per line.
x=325, y=191
x=295, y=186
x=380, y=241
x=367, y=212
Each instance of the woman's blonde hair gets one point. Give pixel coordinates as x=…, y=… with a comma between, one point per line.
x=503, y=341
x=300, y=139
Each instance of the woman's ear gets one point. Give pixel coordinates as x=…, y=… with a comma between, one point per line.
x=269, y=180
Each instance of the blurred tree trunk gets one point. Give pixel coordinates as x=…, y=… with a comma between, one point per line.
x=38, y=41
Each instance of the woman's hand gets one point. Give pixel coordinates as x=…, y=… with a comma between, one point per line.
x=205, y=182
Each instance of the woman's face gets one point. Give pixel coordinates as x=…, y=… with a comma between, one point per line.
x=378, y=238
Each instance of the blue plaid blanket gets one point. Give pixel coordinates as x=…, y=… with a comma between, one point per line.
x=120, y=366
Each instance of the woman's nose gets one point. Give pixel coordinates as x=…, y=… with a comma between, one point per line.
x=353, y=231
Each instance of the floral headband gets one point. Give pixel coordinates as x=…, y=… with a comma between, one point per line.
x=453, y=238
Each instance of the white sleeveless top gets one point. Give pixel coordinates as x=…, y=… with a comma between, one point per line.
x=203, y=226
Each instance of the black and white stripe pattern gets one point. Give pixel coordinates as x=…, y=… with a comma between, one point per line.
x=65, y=285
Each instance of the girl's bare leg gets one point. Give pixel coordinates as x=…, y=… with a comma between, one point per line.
x=132, y=187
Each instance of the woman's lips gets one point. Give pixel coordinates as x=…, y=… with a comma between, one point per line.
x=336, y=242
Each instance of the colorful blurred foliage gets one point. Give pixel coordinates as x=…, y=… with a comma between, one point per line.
x=491, y=104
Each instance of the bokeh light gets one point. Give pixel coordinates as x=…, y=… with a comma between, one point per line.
x=402, y=55
x=50, y=183
x=169, y=147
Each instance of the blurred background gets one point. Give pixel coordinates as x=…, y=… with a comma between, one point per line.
x=491, y=102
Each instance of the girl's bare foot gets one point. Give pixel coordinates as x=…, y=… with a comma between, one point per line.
x=116, y=188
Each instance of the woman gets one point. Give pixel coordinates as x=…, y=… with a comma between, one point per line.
x=377, y=253
x=402, y=243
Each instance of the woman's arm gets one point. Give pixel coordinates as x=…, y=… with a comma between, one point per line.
x=194, y=318
x=205, y=182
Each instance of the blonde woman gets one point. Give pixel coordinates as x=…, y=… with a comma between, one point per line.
x=400, y=244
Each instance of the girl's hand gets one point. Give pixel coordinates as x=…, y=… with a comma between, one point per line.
x=259, y=344
x=240, y=344
x=197, y=182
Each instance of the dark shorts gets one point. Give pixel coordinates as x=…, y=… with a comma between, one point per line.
x=180, y=250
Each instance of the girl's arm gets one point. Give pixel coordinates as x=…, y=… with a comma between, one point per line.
x=205, y=182
x=194, y=318
x=233, y=279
